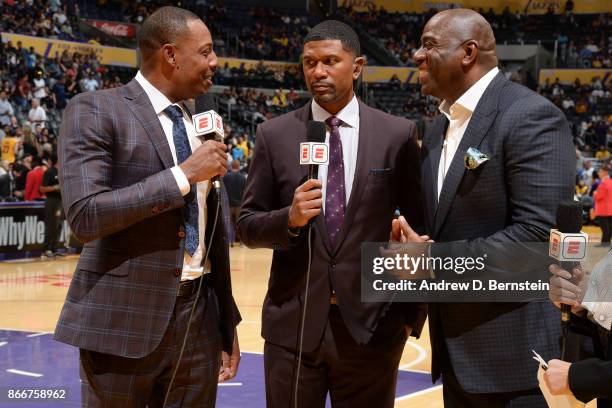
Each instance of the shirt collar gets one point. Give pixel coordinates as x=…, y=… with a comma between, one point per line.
x=471, y=97
x=157, y=98
x=349, y=115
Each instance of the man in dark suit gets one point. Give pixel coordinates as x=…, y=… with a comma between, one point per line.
x=483, y=350
x=351, y=348
x=135, y=182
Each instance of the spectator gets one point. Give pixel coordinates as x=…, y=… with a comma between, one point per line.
x=603, y=204
x=37, y=114
x=34, y=180
x=8, y=183
x=6, y=109
x=581, y=189
x=602, y=153
x=53, y=208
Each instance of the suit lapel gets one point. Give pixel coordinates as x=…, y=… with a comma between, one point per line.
x=362, y=168
x=141, y=107
x=480, y=122
x=437, y=140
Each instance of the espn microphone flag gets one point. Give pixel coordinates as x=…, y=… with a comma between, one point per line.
x=208, y=122
x=567, y=246
x=314, y=153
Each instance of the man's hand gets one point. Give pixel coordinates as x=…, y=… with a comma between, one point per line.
x=563, y=291
x=556, y=377
x=206, y=162
x=404, y=241
x=229, y=364
x=401, y=232
x=307, y=203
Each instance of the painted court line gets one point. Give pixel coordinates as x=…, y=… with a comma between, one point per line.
x=3, y=343
x=38, y=334
x=415, y=394
x=420, y=358
x=20, y=372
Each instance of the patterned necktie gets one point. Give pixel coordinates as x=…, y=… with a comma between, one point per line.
x=335, y=198
x=183, y=151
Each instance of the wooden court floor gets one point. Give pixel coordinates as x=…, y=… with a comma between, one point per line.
x=32, y=293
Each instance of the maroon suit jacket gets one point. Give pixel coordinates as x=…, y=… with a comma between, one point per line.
x=386, y=177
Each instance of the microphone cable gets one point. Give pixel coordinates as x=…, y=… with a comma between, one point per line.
x=303, y=318
x=178, y=363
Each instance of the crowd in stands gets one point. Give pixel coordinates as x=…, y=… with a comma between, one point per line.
x=588, y=108
x=583, y=40
x=49, y=19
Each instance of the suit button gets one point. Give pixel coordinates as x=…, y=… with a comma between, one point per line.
x=155, y=210
x=181, y=234
x=177, y=272
x=333, y=263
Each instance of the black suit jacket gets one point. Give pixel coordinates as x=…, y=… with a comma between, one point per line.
x=513, y=197
x=387, y=144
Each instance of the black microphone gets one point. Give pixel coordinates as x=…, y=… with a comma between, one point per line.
x=208, y=125
x=315, y=133
x=569, y=221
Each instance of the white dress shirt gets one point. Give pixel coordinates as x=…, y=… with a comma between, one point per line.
x=192, y=265
x=459, y=115
x=599, y=293
x=349, y=136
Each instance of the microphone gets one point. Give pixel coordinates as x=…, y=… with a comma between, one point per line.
x=208, y=125
x=567, y=244
x=315, y=151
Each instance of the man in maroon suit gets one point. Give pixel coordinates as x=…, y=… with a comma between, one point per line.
x=351, y=348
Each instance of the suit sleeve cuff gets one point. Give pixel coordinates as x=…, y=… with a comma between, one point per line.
x=181, y=180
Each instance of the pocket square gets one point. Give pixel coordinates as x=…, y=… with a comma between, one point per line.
x=474, y=158
x=380, y=171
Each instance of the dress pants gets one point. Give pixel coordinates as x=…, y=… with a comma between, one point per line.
x=109, y=381
x=355, y=376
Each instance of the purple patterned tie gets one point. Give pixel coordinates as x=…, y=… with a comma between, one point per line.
x=335, y=195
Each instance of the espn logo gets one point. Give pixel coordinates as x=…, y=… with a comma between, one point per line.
x=314, y=153
x=208, y=122
x=567, y=246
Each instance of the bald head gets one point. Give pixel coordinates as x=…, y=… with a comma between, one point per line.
x=463, y=25
x=457, y=49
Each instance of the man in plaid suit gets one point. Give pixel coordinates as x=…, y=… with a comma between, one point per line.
x=135, y=179
x=483, y=350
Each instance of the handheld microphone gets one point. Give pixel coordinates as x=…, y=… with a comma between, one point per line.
x=208, y=125
x=568, y=246
x=315, y=151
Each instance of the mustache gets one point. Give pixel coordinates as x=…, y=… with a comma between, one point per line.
x=321, y=83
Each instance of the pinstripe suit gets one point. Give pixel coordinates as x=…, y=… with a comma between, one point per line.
x=512, y=198
x=122, y=200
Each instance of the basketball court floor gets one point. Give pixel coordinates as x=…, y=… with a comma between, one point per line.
x=31, y=296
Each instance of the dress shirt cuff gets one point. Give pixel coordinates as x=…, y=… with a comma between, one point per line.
x=181, y=180
x=600, y=313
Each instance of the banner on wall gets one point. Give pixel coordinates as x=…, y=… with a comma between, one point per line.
x=51, y=48
x=114, y=28
x=524, y=6
x=22, y=229
x=568, y=76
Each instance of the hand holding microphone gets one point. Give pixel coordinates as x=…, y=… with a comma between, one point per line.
x=308, y=197
x=206, y=162
x=209, y=160
x=307, y=203
x=567, y=288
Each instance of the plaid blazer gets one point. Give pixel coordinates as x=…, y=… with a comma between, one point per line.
x=513, y=198
x=123, y=202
